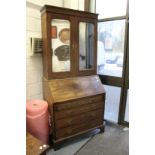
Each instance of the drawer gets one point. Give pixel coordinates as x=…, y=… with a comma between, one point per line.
x=78, y=128
x=84, y=118
x=76, y=103
x=78, y=110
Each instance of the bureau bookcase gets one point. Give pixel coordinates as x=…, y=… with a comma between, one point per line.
x=74, y=92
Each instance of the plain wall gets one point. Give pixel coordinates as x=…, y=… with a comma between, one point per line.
x=34, y=66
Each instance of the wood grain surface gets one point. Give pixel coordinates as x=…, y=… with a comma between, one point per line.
x=74, y=88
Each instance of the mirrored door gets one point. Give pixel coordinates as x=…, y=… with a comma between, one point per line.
x=86, y=47
x=60, y=54
x=60, y=41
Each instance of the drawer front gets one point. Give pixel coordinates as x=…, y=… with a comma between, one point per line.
x=80, y=102
x=83, y=118
x=78, y=128
x=78, y=110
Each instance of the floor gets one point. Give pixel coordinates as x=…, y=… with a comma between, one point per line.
x=73, y=146
x=114, y=141
x=69, y=148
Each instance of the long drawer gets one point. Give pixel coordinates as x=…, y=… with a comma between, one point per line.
x=83, y=118
x=78, y=110
x=80, y=102
x=78, y=128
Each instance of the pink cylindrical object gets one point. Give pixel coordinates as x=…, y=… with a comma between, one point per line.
x=37, y=119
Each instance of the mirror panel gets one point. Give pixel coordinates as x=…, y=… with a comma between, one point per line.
x=60, y=41
x=86, y=46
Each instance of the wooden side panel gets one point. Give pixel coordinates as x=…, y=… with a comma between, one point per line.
x=47, y=95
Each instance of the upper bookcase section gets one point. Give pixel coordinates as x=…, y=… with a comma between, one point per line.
x=69, y=42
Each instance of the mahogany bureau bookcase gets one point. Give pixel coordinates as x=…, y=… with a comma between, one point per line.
x=71, y=87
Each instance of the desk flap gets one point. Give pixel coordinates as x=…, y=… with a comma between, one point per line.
x=73, y=88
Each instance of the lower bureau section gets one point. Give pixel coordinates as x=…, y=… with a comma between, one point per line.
x=76, y=106
x=78, y=128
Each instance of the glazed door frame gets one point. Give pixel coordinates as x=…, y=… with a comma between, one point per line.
x=122, y=82
x=49, y=53
x=125, y=88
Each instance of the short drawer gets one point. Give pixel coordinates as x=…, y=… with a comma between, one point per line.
x=69, y=131
x=78, y=110
x=83, y=118
x=76, y=103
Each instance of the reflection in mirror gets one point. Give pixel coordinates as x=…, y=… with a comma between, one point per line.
x=86, y=45
x=60, y=45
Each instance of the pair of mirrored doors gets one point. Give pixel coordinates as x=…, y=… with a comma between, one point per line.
x=72, y=45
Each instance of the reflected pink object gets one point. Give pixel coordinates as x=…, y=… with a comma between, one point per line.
x=37, y=119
